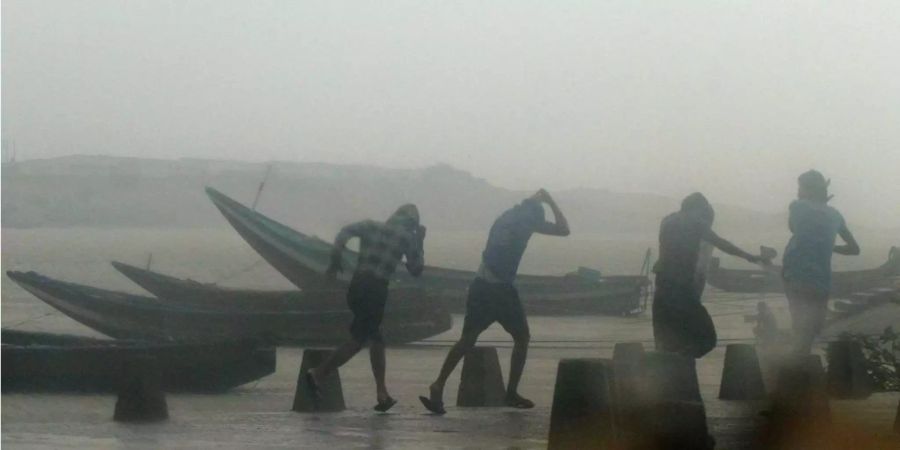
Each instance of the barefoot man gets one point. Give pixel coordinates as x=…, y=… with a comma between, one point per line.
x=382, y=246
x=493, y=297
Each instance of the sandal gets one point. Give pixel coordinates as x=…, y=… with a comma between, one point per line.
x=385, y=405
x=436, y=407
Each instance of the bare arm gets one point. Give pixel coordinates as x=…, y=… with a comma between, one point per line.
x=340, y=242
x=850, y=247
x=727, y=247
x=415, y=255
x=560, y=226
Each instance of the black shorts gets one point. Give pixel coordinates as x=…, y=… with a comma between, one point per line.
x=495, y=302
x=366, y=298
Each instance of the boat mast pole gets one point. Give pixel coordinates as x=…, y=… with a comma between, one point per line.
x=261, y=186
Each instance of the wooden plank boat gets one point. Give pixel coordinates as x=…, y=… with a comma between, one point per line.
x=64, y=363
x=843, y=284
x=302, y=259
x=127, y=316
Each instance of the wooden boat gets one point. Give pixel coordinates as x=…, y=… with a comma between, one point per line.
x=209, y=295
x=205, y=295
x=64, y=363
x=843, y=284
x=127, y=316
x=302, y=259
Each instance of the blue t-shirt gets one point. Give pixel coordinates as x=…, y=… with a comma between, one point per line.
x=807, y=257
x=508, y=238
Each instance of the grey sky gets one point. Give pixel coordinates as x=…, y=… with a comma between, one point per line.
x=734, y=98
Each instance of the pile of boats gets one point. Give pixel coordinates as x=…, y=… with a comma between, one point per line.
x=211, y=337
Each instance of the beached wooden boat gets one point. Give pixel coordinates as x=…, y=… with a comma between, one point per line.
x=210, y=295
x=165, y=287
x=34, y=362
x=844, y=283
x=302, y=259
x=128, y=316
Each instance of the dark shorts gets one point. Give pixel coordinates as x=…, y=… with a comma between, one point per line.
x=495, y=302
x=681, y=323
x=366, y=298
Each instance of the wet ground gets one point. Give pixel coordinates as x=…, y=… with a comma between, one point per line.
x=258, y=415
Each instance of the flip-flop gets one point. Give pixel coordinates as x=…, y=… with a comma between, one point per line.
x=385, y=405
x=519, y=402
x=433, y=406
x=313, y=388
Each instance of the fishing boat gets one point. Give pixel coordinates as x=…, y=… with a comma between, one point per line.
x=186, y=291
x=303, y=259
x=127, y=316
x=210, y=295
x=844, y=284
x=38, y=362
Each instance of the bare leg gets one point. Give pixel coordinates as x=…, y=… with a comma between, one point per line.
x=336, y=359
x=456, y=353
x=517, y=364
x=379, y=363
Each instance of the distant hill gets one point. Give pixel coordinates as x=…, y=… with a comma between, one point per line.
x=101, y=191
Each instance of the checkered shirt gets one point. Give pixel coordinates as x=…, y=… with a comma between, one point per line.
x=382, y=246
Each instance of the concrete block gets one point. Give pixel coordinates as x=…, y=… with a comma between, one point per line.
x=741, y=375
x=671, y=411
x=670, y=377
x=582, y=414
x=140, y=395
x=847, y=376
x=332, y=399
x=481, y=382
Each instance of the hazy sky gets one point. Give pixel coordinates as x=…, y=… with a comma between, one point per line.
x=734, y=98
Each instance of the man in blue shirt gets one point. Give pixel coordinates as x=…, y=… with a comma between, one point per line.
x=807, y=258
x=494, y=298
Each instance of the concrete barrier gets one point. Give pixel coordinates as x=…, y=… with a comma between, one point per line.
x=140, y=395
x=672, y=413
x=628, y=370
x=332, y=394
x=847, y=376
x=481, y=382
x=670, y=377
x=800, y=410
x=741, y=375
x=582, y=415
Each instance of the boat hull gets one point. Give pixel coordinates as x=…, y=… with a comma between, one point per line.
x=302, y=259
x=843, y=284
x=41, y=362
x=127, y=316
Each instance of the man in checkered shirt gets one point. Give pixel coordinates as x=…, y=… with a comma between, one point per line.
x=382, y=247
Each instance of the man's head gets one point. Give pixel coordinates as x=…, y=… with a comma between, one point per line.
x=406, y=216
x=812, y=185
x=531, y=210
x=697, y=206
